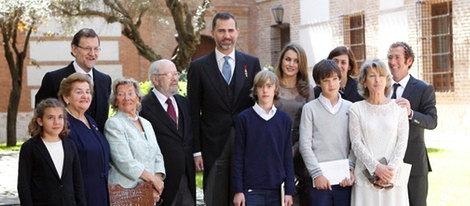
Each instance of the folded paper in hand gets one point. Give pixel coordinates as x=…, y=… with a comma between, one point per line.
x=402, y=174
x=335, y=171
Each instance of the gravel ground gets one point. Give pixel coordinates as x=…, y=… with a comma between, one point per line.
x=9, y=175
x=8, y=178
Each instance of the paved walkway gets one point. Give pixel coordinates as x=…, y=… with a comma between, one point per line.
x=9, y=164
x=9, y=176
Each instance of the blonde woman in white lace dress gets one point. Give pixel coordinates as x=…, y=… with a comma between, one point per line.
x=378, y=130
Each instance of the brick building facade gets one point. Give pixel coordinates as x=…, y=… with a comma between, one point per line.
x=438, y=31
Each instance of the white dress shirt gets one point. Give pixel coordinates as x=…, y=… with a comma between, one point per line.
x=263, y=114
x=162, y=99
x=400, y=88
x=78, y=69
x=220, y=61
x=327, y=103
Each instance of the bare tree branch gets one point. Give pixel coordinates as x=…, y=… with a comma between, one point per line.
x=130, y=14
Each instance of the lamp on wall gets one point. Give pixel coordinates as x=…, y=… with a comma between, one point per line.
x=278, y=13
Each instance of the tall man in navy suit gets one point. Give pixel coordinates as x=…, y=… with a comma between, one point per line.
x=86, y=50
x=420, y=101
x=218, y=89
x=173, y=135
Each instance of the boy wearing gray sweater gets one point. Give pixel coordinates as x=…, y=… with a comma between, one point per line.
x=324, y=137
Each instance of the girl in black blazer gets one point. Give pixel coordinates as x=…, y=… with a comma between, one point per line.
x=49, y=168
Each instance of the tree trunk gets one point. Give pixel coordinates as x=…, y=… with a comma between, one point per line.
x=12, y=115
x=15, y=52
x=15, y=92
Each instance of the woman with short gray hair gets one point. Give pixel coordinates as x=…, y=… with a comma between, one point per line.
x=135, y=154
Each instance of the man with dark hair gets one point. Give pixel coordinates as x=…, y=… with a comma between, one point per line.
x=420, y=102
x=218, y=89
x=86, y=49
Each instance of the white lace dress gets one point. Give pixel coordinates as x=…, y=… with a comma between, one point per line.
x=377, y=131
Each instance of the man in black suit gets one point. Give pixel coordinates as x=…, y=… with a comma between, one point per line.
x=86, y=49
x=420, y=101
x=218, y=89
x=169, y=115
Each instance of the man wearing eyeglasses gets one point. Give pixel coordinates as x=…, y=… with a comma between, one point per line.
x=171, y=120
x=86, y=50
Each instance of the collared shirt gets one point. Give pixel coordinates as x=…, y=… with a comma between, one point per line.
x=162, y=99
x=263, y=114
x=332, y=109
x=78, y=69
x=220, y=60
x=400, y=88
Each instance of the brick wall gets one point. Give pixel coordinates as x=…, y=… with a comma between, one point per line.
x=129, y=62
x=255, y=19
x=268, y=36
x=5, y=81
x=453, y=106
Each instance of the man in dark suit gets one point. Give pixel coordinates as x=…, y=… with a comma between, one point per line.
x=86, y=49
x=218, y=89
x=420, y=101
x=169, y=115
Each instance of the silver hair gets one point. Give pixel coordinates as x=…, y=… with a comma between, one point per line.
x=122, y=81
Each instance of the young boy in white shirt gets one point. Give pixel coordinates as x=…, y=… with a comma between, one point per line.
x=324, y=137
x=262, y=157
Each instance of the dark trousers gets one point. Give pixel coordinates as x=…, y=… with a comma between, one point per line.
x=262, y=197
x=183, y=196
x=301, y=174
x=339, y=196
x=301, y=198
x=218, y=188
x=418, y=190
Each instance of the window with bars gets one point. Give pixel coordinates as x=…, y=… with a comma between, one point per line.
x=437, y=35
x=441, y=40
x=354, y=36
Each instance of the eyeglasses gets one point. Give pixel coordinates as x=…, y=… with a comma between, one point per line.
x=126, y=94
x=89, y=49
x=170, y=74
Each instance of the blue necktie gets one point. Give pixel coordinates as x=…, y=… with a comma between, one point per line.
x=226, y=69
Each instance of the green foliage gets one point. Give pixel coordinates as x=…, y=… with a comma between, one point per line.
x=182, y=88
x=146, y=86
x=199, y=176
x=435, y=150
x=4, y=147
x=450, y=177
